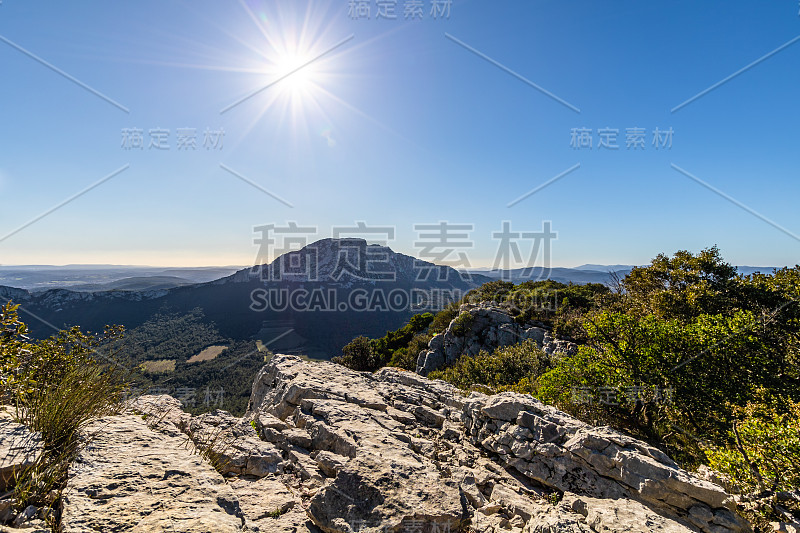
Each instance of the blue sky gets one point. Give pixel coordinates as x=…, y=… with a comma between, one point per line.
x=399, y=125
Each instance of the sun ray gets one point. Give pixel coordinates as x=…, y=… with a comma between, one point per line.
x=282, y=38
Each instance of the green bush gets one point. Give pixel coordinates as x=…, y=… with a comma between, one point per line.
x=406, y=358
x=763, y=453
x=392, y=349
x=358, y=355
x=402, y=359
x=58, y=386
x=13, y=337
x=761, y=461
x=501, y=370
x=462, y=324
x=709, y=365
x=443, y=318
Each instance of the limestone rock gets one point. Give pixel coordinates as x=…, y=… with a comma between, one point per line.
x=393, y=448
x=329, y=462
x=133, y=478
x=561, y=452
x=19, y=448
x=324, y=449
x=235, y=444
x=623, y=515
x=370, y=492
x=270, y=507
x=484, y=327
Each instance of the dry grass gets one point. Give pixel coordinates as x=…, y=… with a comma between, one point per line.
x=159, y=366
x=209, y=354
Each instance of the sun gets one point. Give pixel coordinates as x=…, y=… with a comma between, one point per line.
x=299, y=65
x=294, y=72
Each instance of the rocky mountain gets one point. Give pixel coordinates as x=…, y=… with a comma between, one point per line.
x=325, y=294
x=326, y=449
x=350, y=261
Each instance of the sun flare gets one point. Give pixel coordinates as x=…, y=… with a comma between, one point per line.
x=301, y=62
x=295, y=72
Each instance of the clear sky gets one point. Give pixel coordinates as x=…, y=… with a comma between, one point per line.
x=402, y=121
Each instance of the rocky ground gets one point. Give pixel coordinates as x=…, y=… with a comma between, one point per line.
x=326, y=449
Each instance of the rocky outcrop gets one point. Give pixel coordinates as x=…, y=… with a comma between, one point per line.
x=19, y=448
x=12, y=293
x=554, y=449
x=484, y=327
x=385, y=450
x=326, y=449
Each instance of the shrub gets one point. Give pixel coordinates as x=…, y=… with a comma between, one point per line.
x=462, y=324
x=501, y=370
x=392, y=349
x=402, y=359
x=761, y=461
x=358, y=354
x=386, y=346
x=58, y=387
x=13, y=334
x=443, y=318
x=406, y=358
x=764, y=448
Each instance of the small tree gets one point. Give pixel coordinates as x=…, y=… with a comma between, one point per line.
x=358, y=354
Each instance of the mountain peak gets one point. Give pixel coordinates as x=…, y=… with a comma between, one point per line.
x=351, y=260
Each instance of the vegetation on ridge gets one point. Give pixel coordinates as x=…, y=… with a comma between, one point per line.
x=683, y=353
x=56, y=387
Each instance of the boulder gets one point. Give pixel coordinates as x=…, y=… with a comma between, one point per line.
x=19, y=448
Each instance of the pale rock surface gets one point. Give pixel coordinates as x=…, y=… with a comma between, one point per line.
x=133, y=478
x=340, y=451
x=19, y=448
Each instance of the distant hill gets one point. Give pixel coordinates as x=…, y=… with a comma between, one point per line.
x=95, y=278
x=141, y=283
x=560, y=274
x=747, y=270
x=589, y=273
x=604, y=268
x=44, y=277
x=309, y=301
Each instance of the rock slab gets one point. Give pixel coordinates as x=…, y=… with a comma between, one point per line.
x=133, y=478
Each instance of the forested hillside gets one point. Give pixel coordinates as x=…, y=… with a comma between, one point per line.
x=155, y=357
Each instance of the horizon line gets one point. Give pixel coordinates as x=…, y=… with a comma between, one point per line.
x=242, y=267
